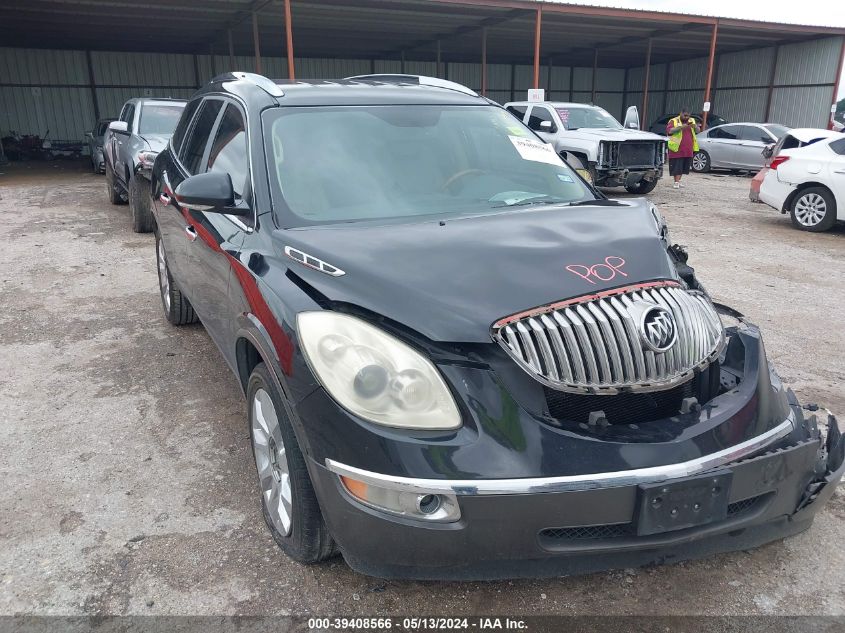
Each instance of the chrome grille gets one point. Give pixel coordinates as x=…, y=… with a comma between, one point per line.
x=593, y=344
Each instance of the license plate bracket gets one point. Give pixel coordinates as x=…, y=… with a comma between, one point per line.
x=683, y=503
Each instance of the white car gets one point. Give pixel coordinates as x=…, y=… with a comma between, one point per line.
x=806, y=177
x=596, y=144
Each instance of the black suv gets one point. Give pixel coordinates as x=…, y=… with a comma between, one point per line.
x=460, y=361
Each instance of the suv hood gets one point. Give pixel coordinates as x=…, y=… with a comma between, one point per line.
x=451, y=282
x=157, y=142
x=606, y=134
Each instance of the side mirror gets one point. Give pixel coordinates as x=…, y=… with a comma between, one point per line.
x=546, y=126
x=119, y=126
x=632, y=118
x=768, y=151
x=210, y=192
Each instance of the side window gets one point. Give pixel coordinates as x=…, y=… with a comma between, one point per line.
x=182, y=126
x=194, y=146
x=228, y=152
x=538, y=115
x=728, y=132
x=128, y=115
x=518, y=111
x=838, y=146
x=754, y=133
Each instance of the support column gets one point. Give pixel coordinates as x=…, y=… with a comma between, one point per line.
x=289, y=41
x=484, y=62
x=231, y=51
x=255, y=45
x=571, y=83
x=537, y=29
x=197, y=71
x=211, y=60
x=93, y=86
x=549, y=78
x=595, y=67
x=710, y=60
x=437, y=74
x=624, y=94
x=772, y=84
x=837, y=83
x=666, y=88
x=646, y=79
x=513, y=82
x=402, y=62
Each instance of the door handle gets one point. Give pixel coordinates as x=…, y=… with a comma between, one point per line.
x=839, y=171
x=164, y=198
x=191, y=232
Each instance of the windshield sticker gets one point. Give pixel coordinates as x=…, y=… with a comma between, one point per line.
x=517, y=131
x=537, y=151
x=564, y=177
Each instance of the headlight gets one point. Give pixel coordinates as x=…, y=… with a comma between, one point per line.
x=374, y=375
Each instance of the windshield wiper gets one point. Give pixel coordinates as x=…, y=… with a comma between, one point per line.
x=601, y=202
x=539, y=199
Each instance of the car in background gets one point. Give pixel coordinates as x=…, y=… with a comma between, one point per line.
x=95, y=139
x=659, y=125
x=735, y=146
x=131, y=145
x=591, y=140
x=807, y=179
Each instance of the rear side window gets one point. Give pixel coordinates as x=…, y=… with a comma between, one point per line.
x=754, y=133
x=518, y=111
x=228, y=153
x=729, y=132
x=184, y=122
x=194, y=146
x=838, y=146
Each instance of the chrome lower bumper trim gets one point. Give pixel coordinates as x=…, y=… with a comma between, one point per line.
x=569, y=482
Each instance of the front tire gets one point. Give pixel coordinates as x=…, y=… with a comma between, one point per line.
x=813, y=209
x=288, y=501
x=701, y=161
x=139, y=204
x=642, y=187
x=177, y=309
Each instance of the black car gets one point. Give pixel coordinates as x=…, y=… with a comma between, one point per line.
x=460, y=361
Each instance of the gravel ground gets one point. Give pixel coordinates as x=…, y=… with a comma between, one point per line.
x=128, y=482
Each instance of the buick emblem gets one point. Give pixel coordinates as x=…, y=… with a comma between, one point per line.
x=657, y=329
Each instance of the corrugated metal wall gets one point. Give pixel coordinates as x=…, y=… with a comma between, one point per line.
x=44, y=90
x=802, y=84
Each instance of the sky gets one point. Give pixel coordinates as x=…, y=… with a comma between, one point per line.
x=815, y=12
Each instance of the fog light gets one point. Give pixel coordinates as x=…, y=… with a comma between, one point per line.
x=439, y=508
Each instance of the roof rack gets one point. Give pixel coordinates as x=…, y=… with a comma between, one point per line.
x=422, y=80
x=267, y=85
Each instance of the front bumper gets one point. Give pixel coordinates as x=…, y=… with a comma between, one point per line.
x=622, y=176
x=516, y=528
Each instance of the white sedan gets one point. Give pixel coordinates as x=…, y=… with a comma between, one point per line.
x=808, y=180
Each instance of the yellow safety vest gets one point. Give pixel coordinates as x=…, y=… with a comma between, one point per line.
x=675, y=139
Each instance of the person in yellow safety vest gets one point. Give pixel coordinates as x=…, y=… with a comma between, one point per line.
x=682, y=145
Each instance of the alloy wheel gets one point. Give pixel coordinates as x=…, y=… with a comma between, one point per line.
x=163, y=278
x=271, y=462
x=699, y=161
x=810, y=209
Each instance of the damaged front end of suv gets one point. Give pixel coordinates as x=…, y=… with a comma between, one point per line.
x=623, y=426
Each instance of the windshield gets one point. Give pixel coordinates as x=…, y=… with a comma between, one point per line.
x=102, y=126
x=352, y=163
x=777, y=130
x=159, y=118
x=574, y=118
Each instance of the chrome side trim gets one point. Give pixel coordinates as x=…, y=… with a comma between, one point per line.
x=570, y=482
x=312, y=262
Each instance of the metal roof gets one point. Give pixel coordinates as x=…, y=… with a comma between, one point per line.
x=384, y=29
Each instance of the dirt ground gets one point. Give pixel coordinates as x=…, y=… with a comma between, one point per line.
x=127, y=482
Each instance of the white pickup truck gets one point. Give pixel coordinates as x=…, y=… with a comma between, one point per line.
x=595, y=143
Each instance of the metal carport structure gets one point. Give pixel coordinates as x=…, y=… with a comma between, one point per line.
x=100, y=52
